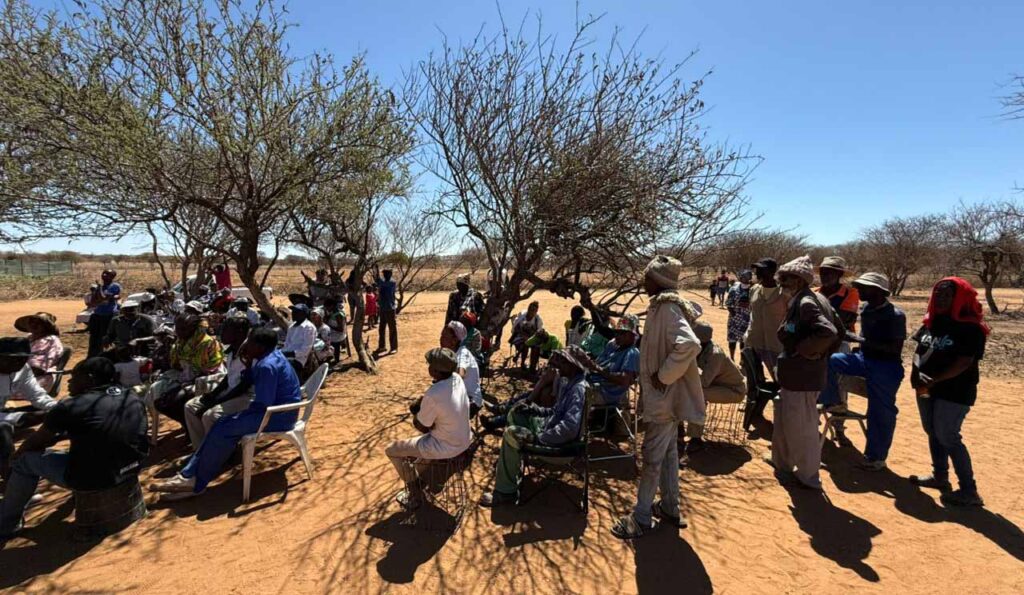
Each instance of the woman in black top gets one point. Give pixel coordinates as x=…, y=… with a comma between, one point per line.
x=945, y=375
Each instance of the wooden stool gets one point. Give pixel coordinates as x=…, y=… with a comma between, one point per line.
x=99, y=513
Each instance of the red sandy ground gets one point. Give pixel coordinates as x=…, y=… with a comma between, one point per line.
x=341, y=532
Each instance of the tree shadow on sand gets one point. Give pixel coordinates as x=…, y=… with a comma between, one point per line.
x=665, y=563
x=836, y=534
x=411, y=547
x=912, y=501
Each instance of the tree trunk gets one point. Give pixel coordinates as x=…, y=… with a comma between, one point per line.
x=247, y=276
x=357, y=303
x=991, y=299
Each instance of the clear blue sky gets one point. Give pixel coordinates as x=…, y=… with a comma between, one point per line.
x=861, y=110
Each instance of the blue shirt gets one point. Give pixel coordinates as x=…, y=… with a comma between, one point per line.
x=616, y=360
x=386, y=297
x=111, y=289
x=883, y=324
x=565, y=418
x=274, y=383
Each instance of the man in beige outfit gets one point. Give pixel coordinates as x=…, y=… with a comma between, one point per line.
x=767, y=311
x=670, y=392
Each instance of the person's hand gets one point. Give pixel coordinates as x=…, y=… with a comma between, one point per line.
x=657, y=383
x=415, y=407
x=925, y=380
x=523, y=436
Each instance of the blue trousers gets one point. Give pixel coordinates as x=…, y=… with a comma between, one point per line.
x=883, y=379
x=29, y=468
x=942, y=421
x=224, y=437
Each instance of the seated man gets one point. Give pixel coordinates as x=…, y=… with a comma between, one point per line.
x=721, y=379
x=546, y=426
x=242, y=307
x=617, y=367
x=195, y=354
x=301, y=336
x=127, y=326
x=274, y=383
x=18, y=380
x=453, y=337
x=232, y=395
x=541, y=345
x=543, y=393
x=442, y=415
x=107, y=430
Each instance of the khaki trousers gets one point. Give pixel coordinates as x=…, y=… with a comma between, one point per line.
x=796, y=446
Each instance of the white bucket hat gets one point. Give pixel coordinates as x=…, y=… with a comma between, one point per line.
x=874, y=280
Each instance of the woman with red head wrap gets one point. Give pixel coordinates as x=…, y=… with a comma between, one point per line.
x=950, y=341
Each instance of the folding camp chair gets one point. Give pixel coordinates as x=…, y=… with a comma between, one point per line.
x=58, y=375
x=551, y=463
x=609, y=414
x=759, y=390
x=833, y=421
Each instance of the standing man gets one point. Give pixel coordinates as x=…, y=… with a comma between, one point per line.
x=722, y=287
x=671, y=392
x=107, y=429
x=463, y=299
x=879, y=362
x=386, y=304
x=222, y=277
x=809, y=335
x=767, y=311
x=103, y=301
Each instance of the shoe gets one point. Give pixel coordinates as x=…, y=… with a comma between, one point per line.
x=178, y=483
x=35, y=500
x=962, y=498
x=659, y=513
x=695, y=445
x=408, y=500
x=869, y=465
x=492, y=499
x=628, y=528
x=930, y=481
x=176, y=496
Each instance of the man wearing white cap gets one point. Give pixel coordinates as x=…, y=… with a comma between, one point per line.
x=127, y=326
x=670, y=393
x=809, y=334
x=879, y=362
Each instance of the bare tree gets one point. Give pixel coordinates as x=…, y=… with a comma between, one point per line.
x=570, y=167
x=414, y=243
x=1013, y=103
x=986, y=243
x=901, y=247
x=738, y=250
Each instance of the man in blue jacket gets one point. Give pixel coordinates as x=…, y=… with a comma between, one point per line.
x=530, y=423
x=274, y=383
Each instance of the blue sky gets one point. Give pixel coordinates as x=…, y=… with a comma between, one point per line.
x=861, y=110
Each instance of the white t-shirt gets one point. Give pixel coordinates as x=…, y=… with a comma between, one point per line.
x=445, y=406
x=300, y=339
x=468, y=362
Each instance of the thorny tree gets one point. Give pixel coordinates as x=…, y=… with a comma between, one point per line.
x=984, y=241
x=902, y=246
x=570, y=167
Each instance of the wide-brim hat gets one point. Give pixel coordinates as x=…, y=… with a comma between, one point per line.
x=873, y=280
x=299, y=298
x=49, y=321
x=768, y=264
x=628, y=323
x=574, y=355
x=836, y=263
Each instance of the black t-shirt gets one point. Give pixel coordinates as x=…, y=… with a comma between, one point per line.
x=884, y=324
x=947, y=340
x=108, y=437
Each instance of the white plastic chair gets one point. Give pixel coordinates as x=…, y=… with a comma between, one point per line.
x=297, y=435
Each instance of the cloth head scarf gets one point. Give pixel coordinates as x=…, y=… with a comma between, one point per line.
x=664, y=270
x=459, y=329
x=801, y=267
x=966, y=307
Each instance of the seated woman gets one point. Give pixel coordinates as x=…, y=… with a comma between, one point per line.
x=541, y=345
x=46, y=346
x=195, y=354
x=442, y=416
x=546, y=426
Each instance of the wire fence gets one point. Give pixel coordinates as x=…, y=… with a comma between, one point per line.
x=34, y=268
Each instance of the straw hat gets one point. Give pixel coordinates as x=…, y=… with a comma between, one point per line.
x=49, y=322
x=873, y=280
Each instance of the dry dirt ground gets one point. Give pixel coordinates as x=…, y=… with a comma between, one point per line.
x=341, y=531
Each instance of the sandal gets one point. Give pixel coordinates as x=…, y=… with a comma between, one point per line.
x=628, y=528
x=659, y=513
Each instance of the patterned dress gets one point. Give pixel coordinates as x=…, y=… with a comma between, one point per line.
x=738, y=303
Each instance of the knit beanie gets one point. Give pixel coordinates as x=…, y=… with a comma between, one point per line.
x=801, y=267
x=664, y=270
